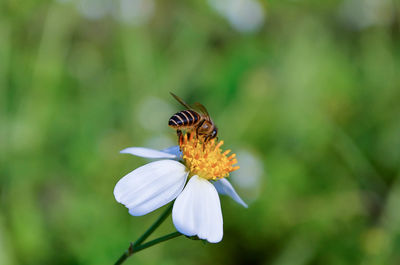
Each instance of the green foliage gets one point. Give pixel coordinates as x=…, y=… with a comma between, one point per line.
x=314, y=98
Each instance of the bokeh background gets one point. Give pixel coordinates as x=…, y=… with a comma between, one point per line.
x=306, y=92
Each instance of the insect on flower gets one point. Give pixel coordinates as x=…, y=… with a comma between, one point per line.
x=193, y=173
x=190, y=120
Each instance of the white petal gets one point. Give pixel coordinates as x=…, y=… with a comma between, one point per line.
x=148, y=153
x=151, y=186
x=224, y=187
x=197, y=211
x=173, y=150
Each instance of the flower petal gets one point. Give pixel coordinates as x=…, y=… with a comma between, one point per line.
x=197, y=211
x=173, y=150
x=224, y=187
x=149, y=153
x=151, y=186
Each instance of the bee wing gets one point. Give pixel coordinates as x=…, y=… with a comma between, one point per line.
x=196, y=105
x=180, y=101
x=202, y=109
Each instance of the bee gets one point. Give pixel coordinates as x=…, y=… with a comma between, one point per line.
x=192, y=121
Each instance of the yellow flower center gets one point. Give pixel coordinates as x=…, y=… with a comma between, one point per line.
x=206, y=159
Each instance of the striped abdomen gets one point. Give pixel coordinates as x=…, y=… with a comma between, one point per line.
x=184, y=118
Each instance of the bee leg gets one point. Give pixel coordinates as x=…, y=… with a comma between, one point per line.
x=179, y=133
x=205, y=142
x=198, y=128
x=197, y=134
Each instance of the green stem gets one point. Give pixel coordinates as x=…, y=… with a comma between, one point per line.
x=156, y=241
x=156, y=224
x=132, y=246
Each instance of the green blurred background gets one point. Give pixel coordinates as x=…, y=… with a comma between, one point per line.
x=306, y=92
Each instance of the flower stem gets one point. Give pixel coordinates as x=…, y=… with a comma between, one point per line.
x=135, y=247
x=156, y=241
x=154, y=226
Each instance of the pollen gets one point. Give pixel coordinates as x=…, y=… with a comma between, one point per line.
x=206, y=159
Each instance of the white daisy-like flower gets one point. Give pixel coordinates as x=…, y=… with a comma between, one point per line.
x=197, y=209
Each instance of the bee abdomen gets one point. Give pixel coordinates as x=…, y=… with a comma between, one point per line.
x=184, y=118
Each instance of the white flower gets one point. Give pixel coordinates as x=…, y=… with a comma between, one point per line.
x=197, y=209
x=243, y=15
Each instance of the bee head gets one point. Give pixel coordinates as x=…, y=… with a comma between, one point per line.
x=214, y=133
